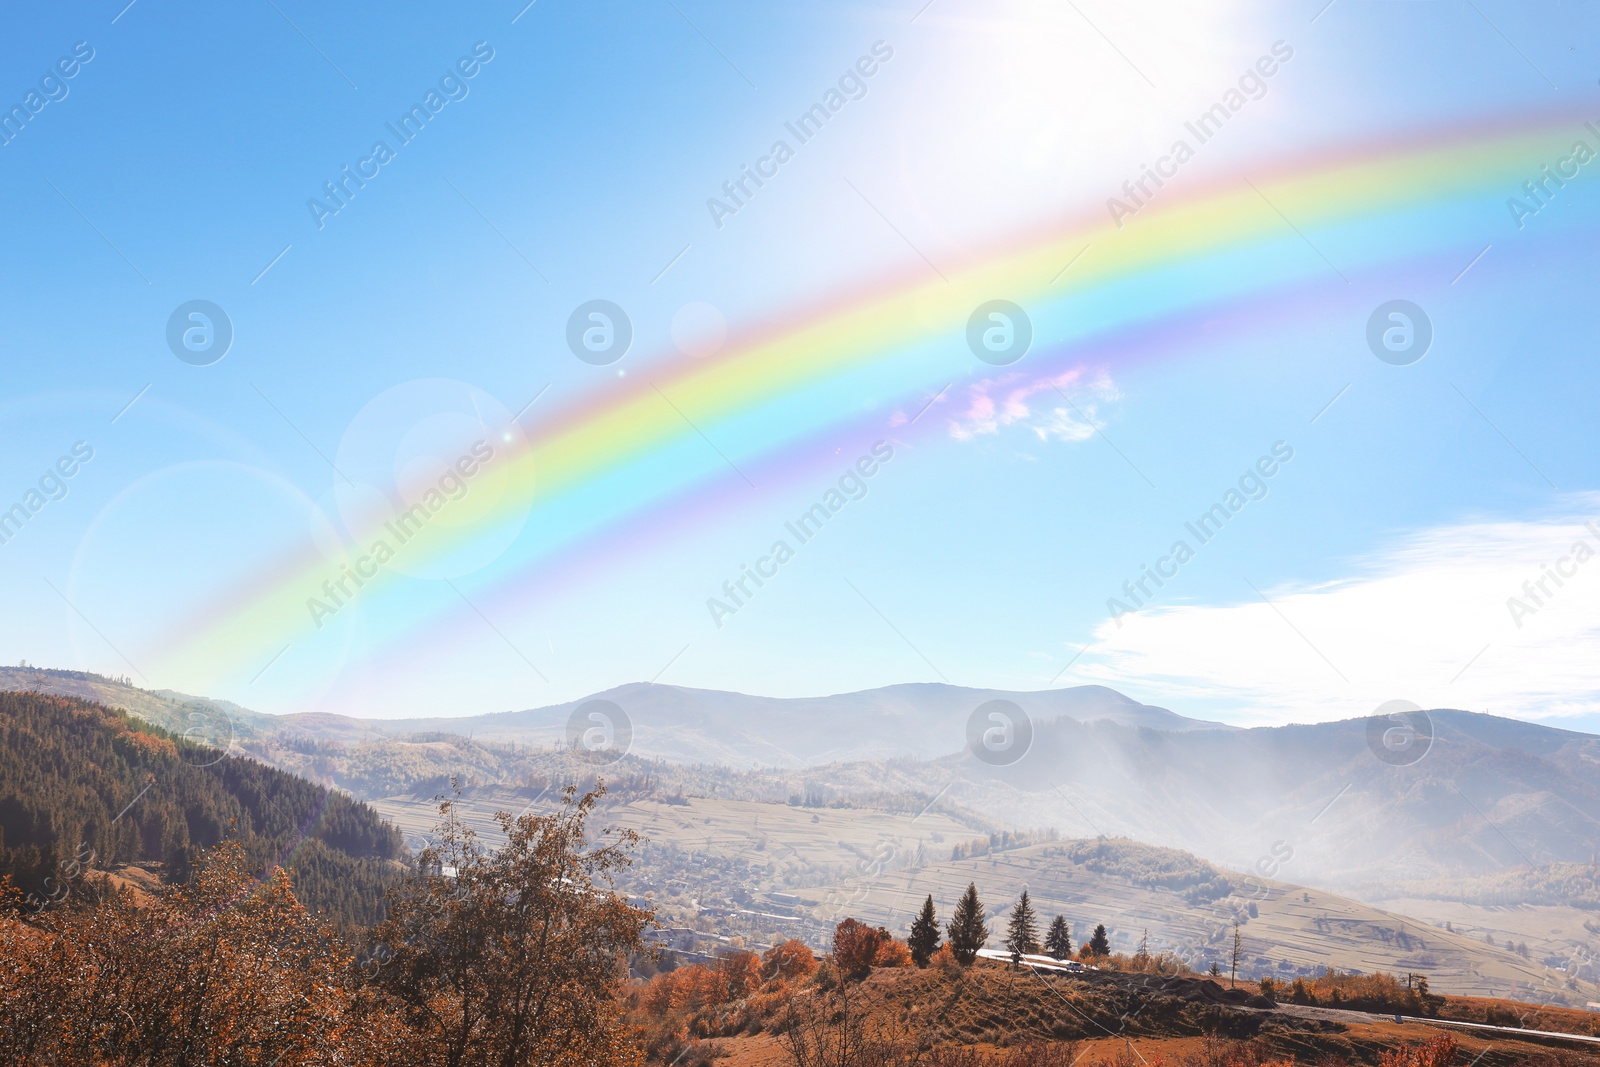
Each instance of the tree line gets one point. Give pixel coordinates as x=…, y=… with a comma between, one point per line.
x=968, y=931
x=84, y=789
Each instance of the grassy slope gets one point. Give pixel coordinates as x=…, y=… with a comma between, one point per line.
x=1307, y=927
x=991, y=1007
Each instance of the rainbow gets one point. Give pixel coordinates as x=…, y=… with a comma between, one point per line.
x=637, y=454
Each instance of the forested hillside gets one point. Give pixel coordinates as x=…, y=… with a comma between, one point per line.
x=1574, y=885
x=81, y=781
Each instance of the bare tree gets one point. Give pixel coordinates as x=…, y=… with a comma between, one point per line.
x=1238, y=951
x=840, y=1024
x=834, y=1028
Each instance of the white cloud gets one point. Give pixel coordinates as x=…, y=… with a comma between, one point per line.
x=1071, y=401
x=1406, y=626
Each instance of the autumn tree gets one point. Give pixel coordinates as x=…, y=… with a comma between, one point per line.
x=1058, y=941
x=925, y=938
x=789, y=961
x=891, y=952
x=855, y=946
x=518, y=958
x=1022, y=930
x=731, y=976
x=228, y=968
x=968, y=930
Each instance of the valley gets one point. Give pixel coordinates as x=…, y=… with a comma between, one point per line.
x=762, y=872
x=1328, y=858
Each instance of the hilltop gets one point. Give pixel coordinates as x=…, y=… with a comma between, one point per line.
x=745, y=1012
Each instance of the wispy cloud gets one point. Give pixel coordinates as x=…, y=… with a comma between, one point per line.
x=1430, y=619
x=1041, y=405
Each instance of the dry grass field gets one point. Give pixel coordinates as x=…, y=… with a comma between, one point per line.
x=1132, y=1019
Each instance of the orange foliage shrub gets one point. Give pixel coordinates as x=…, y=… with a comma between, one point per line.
x=1440, y=1051
x=737, y=993
x=892, y=953
x=221, y=970
x=703, y=985
x=790, y=961
x=738, y=975
x=855, y=946
x=945, y=959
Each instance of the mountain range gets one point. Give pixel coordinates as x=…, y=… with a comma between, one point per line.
x=1323, y=803
x=681, y=725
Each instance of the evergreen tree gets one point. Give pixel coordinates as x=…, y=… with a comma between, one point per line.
x=1022, y=932
x=968, y=931
x=1058, y=942
x=924, y=939
x=1099, y=944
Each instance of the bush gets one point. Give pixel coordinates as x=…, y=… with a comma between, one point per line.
x=1440, y=1051
x=790, y=961
x=892, y=953
x=1367, y=992
x=855, y=946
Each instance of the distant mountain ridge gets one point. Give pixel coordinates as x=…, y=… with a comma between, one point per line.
x=675, y=723
x=1486, y=794
x=912, y=720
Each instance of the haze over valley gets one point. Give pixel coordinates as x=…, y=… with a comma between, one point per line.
x=1473, y=861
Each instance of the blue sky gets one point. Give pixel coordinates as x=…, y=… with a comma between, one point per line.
x=577, y=164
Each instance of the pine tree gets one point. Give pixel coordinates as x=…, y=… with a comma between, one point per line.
x=1143, y=952
x=968, y=931
x=924, y=939
x=1099, y=944
x=1022, y=932
x=1058, y=942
